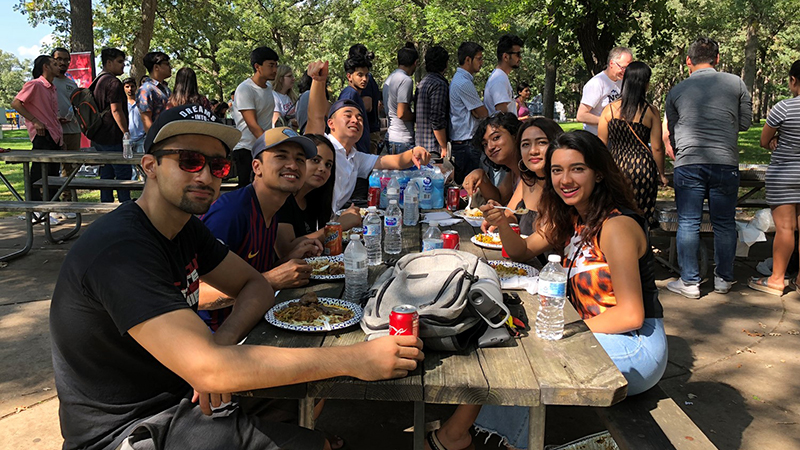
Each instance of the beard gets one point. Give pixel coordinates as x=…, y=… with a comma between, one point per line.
x=195, y=207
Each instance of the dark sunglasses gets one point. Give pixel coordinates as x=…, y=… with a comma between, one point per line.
x=193, y=161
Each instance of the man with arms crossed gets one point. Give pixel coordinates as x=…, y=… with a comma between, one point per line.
x=128, y=347
x=466, y=109
x=705, y=114
x=398, y=93
x=498, y=94
x=346, y=122
x=252, y=110
x=603, y=88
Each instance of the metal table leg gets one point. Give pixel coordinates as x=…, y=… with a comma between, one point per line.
x=306, y=413
x=48, y=234
x=419, y=425
x=26, y=175
x=536, y=427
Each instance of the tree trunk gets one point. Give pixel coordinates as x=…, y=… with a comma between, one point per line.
x=549, y=93
x=594, y=47
x=750, y=53
x=141, y=42
x=81, y=27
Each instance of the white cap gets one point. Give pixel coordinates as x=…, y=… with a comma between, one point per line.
x=554, y=258
x=372, y=209
x=433, y=223
x=392, y=202
x=355, y=237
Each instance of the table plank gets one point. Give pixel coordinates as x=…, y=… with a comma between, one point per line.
x=61, y=156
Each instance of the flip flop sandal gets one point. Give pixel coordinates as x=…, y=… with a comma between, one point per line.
x=760, y=284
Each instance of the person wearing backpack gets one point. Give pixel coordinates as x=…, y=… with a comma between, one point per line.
x=109, y=95
x=37, y=102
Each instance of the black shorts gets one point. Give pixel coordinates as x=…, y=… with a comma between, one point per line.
x=184, y=426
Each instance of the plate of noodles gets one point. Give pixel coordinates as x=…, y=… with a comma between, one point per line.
x=312, y=314
x=509, y=269
x=489, y=240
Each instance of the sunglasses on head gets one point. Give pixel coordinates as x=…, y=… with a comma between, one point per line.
x=193, y=161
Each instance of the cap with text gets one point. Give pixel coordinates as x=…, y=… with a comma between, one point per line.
x=190, y=119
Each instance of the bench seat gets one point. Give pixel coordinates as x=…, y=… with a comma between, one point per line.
x=97, y=183
x=66, y=207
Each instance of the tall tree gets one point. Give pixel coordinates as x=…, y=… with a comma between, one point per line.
x=81, y=26
x=13, y=74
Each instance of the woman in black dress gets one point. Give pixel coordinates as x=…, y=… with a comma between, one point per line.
x=627, y=126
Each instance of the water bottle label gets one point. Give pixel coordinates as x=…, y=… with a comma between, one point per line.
x=391, y=221
x=432, y=245
x=425, y=196
x=552, y=288
x=358, y=265
x=372, y=230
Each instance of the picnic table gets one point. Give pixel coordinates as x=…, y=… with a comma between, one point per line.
x=528, y=372
x=26, y=205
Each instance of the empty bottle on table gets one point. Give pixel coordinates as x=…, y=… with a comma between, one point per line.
x=373, y=231
x=127, y=148
x=393, y=224
x=552, y=295
x=432, y=239
x=411, y=205
x=355, y=270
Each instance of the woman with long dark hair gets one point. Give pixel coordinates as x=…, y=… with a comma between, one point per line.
x=627, y=126
x=306, y=212
x=783, y=183
x=587, y=214
x=185, y=90
x=523, y=96
x=496, y=135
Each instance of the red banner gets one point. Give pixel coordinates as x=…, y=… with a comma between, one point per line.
x=81, y=68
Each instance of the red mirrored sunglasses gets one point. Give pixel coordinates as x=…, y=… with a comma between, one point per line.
x=193, y=161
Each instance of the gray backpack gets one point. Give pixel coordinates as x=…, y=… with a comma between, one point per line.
x=455, y=294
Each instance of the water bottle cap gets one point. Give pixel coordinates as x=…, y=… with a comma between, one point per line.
x=392, y=202
x=554, y=258
x=354, y=237
x=434, y=223
x=372, y=209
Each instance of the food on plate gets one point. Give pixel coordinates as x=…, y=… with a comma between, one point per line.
x=506, y=271
x=473, y=212
x=520, y=211
x=355, y=230
x=488, y=238
x=325, y=267
x=309, y=311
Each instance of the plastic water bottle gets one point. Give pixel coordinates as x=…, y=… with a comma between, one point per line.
x=393, y=223
x=385, y=178
x=411, y=205
x=373, y=230
x=552, y=295
x=432, y=239
x=426, y=191
x=375, y=179
x=127, y=149
x=355, y=270
x=403, y=178
x=437, y=193
x=393, y=191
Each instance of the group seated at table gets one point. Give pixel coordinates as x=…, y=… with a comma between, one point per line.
x=588, y=215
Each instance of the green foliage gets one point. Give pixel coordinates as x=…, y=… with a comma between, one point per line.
x=13, y=74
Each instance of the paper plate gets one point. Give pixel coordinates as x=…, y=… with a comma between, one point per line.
x=363, y=212
x=323, y=326
x=321, y=261
x=496, y=245
x=472, y=220
x=530, y=271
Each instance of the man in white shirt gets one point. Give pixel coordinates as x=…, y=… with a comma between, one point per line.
x=346, y=122
x=252, y=110
x=466, y=109
x=398, y=93
x=603, y=88
x=498, y=94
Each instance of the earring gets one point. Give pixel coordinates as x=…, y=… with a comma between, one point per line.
x=522, y=166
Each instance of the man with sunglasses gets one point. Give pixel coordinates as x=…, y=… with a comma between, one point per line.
x=245, y=220
x=154, y=93
x=603, y=88
x=130, y=354
x=498, y=94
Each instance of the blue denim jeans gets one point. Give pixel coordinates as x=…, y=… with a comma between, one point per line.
x=395, y=148
x=640, y=355
x=720, y=185
x=114, y=172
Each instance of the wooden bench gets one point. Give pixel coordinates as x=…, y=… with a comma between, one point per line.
x=97, y=183
x=652, y=421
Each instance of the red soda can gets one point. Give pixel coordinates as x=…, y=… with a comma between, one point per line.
x=374, y=196
x=404, y=321
x=515, y=229
x=453, y=194
x=451, y=239
x=333, y=239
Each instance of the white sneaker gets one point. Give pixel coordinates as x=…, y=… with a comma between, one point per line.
x=686, y=290
x=63, y=215
x=721, y=286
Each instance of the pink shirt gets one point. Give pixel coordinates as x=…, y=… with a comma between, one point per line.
x=40, y=98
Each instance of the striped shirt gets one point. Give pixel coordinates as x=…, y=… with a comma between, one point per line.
x=463, y=99
x=786, y=117
x=236, y=220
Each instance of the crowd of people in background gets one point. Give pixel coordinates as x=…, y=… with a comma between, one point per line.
x=302, y=157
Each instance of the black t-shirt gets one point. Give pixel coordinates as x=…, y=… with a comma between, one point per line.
x=374, y=92
x=107, y=91
x=300, y=220
x=120, y=273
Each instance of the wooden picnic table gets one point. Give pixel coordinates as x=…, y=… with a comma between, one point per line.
x=25, y=204
x=527, y=372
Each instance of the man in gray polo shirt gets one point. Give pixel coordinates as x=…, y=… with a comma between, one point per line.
x=705, y=113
